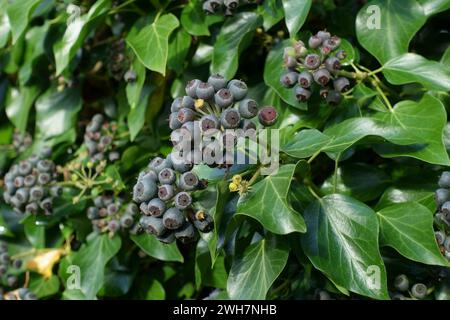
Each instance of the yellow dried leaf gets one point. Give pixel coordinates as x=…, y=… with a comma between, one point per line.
x=44, y=262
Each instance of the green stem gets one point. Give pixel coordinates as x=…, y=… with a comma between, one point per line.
x=254, y=177
x=315, y=155
x=383, y=96
x=117, y=9
x=310, y=188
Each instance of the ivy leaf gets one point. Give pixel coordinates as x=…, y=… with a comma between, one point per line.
x=411, y=67
x=56, y=112
x=19, y=13
x=92, y=259
x=394, y=195
x=267, y=203
x=253, y=272
x=42, y=287
x=151, y=43
x=342, y=242
x=193, y=19
x=208, y=273
x=358, y=180
x=272, y=13
x=234, y=37
x=445, y=60
x=398, y=23
x=76, y=32
x=134, y=89
x=274, y=69
x=179, y=44
x=415, y=129
x=136, y=116
x=431, y=7
x=156, y=249
x=295, y=12
x=408, y=228
x=18, y=105
x=4, y=25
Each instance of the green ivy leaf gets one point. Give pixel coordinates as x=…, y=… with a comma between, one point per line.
x=274, y=69
x=155, y=291
x=19, y=13
x=267, y=203
x=342, y=242
x=272, y=12
x=136, y=116
x=134, y=89
x=179, y=44
x=234, y=37
x=193, y=19
x=254, y=271
x=431, y=7
x=18, y=105
x=445, y=60
x=415, y=127
x=408, y=193
x=411, y=67
x=35, y=233
x=360, y=181
x=295, y=12
x=76, y=32
x=42, y=287
x=92, y=259
x=151, y=43
x=207, y=273
x=56, y=112
x=156, y=249
x=399, y=22
x=408, y=228
x=5, y=27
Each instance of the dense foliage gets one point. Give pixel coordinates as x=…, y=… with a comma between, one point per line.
x=95, y=95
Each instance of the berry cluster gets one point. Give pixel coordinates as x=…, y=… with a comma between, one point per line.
x=21, y=141
x=164, y=192
x=316, y=67
x=227, y=7
x=30, y=186
x=442, y=216
x=111, y=215
x=402, y=286
x=9, y=280
x=208, y=115
x=99, y=139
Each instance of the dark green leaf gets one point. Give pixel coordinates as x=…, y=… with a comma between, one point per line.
x=408, y=228
x=295, y=12
x=193, y=19
x=385, y=27
x=18, y=105
x=342, y=242
x=234, y=37
x=134, y=88
x=255, y=270
x=151, y=44
x=179, y=44
x=77, y=30
x=136, y=117
x=411, y=67
x=156, y=249
x=42, y=287
x=267, y=203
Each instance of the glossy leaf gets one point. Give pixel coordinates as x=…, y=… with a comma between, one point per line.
x=295, y=12
x=56, y=112
x=253, y=272
x=431, y=7
x=411, y=67
x=156, y=249
x=19, y=13
x=77, y=30
x=151, y=43
x=179, y=44
x=136, y=116
x=92, y=259
x=415, y=129
x=134, y=89
x=360, y=181
x=342, y=242
x=386, y=27
x=408, y=228
x=267, y=203
x=193, y=19
x=18, y=105
x=233, y=38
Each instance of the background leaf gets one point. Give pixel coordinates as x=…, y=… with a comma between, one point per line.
x=295, y=12
x=156, y=249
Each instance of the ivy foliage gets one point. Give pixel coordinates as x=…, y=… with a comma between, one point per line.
x=350, y=208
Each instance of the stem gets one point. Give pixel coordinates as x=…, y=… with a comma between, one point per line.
x=383, y=96
x=310, y=188
x=314, y=156
x=372, y=73
x=116, y=9
x=254, y=177
x=336, y=165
